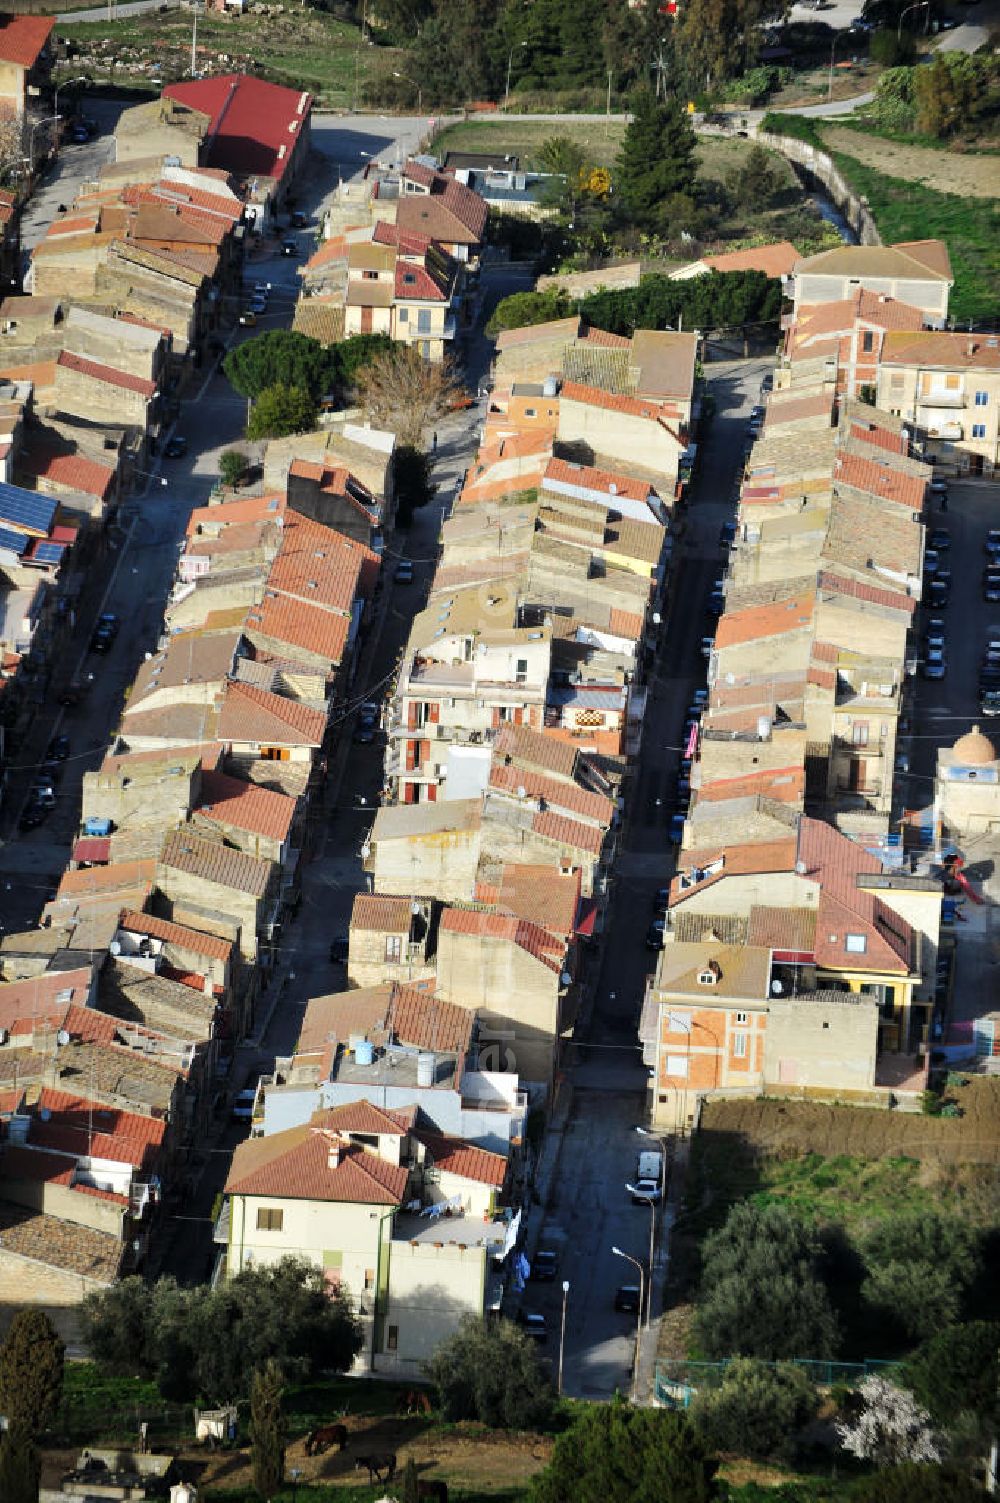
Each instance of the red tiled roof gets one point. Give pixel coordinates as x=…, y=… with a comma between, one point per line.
x=254, y=125
x=295, y=1165
x=738, y=860
x=625, y=623
x=543, y=894
x=74, y=472
x=381, y=914
x=362, y=1117
x=256, y=715
x=96, y=848
x=106, y=879
x=246, y=806
x=835, y=863
x=608, y=482
x=775, y=260
x=568, y=832
x=106, y=373
x=465, y=1160
x=605, y=339
x=91, y=1129
x=881, y=479
x=759, y=622
x=321, y=633
x=40, y=997
x=594, y=396
x=785, y=785
x=412, y=281
x=23, y=37
x=533, y=938
x=536, y=749
x=555, y=793
x=211, y=861
x=895, y=599
x=318, y=565
x=209, y=945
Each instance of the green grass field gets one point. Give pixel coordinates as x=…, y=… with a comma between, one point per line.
x=600, y=140
x=306, y=49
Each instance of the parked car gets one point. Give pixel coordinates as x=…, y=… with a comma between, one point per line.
x=404, y=571
x=627, y=1299
x=298, y=220
x=262, y=289
x=991, y=543
x=340, y=949
x=370, y=713
x=58, y=749
x=939, y=539
x=727, y=534
x=32, y=815
x=676, y=831
x=289, y=248
x=644, y=1192
x=654, y=934
x=935, y=665
x=363, y=735
x=934, y=632
x=248, y=318
x=989, y=702
x=242, y=1107
x=991, y=587
x=707, y=643
x=544, y=1266
x=102, y=640
x=258, y=306
x=767, y=382
x=661, y=899
x=533, y=1325
x=716, y=603
x=938, y=594
x=932, y=562
x=939, y=487
x=176, y=447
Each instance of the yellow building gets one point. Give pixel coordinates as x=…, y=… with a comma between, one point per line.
x=401, y=1217
x=948, y=387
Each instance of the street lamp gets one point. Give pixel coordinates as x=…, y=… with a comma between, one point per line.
x=645, y=1133
x=638, y=1328
x=295, y=1473
x=45, y=120
x=418, y=87
x=562, y=1334
x=837, y=37
x=917, y=4
x=510, y=62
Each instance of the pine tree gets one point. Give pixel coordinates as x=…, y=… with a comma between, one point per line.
x=656, y=160
x=19, y=1468
x=267, y=1430
x=31, y=1373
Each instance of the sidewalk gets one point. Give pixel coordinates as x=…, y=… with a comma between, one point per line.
x=646, y=1377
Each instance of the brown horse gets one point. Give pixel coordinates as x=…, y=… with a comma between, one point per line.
x=321, y=1439
x=432, y=1487
x=414, y=1401
x=375, y=1466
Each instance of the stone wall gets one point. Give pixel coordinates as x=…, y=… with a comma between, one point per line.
x=820, y=166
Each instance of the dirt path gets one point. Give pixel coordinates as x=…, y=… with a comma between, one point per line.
x=947, y=171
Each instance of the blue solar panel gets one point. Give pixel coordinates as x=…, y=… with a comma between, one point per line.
x=26, y=508
x=48, y=553
x=13, y=542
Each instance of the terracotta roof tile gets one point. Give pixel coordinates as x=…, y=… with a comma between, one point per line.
x=785, y=785
x=318, y=632
x=106, y=373
x=317, y=565
x=566, y=329
x=106, y=879
x=607, y=482
x=91, y=1129
x=942, y=350
x=775, y=260
x=296, y=1165
x=255, y=715
x=42, y=996
x=531, y=937
x=381, y=914
x=245, y=806
x=214, y=862
x=536, y=749
x=543, y=894
x=22, y=38
x=465, y=1160
x=881, y=479
x=757, y=623
x=73, y=471
x=363, y=1117
x=555, y=793
x=737, y=860
x=209, y=945
x=409, y=1015
x=594, y=396
x=838, y=584
x=783, y=928
x=569, y=832
x=835, y=862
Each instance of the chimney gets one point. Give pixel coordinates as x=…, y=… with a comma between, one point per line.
x=333, y=1146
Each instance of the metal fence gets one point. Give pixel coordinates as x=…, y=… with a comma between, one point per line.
x=79, y=1422
x=677, y=1380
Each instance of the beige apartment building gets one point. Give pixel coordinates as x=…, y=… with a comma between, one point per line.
x=948, y=387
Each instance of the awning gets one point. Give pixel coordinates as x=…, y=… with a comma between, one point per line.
x=92, y=850
x=586, y=918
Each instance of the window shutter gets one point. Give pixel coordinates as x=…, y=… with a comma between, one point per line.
x=434, y=714
x=411, y=716
x=411, y=755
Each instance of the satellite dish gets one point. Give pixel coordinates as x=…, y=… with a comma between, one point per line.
x=522, y=792
x=776, y=988
x=45, y=1114
x=565, y=979
x=62, y=1038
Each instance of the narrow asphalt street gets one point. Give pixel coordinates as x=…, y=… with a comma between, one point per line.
x=590, y=1211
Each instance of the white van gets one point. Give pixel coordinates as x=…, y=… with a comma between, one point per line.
x=650, y=1166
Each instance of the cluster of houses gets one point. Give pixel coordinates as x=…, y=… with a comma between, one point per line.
x=131, y=284
x=806, y=947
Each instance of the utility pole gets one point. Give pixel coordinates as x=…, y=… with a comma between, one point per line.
x=194, y=44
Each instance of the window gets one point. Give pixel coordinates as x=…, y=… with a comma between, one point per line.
x=896, y=380
x=393, y=947
x=868, y=341
x=530, y=411
x=369, y=276
x=982, y=399
x=952, y=383
x=740, y=1045
x=423, y=320
x=521, y=670
x=409, y=280
x=274, y=754
x=391, y=1338
x=369, y=1278
x=742, y=1018
x=268, y=1220
x=855, y=944
x=677, y=1065
x=404, y=315
x=979, y=430
x=859, y=733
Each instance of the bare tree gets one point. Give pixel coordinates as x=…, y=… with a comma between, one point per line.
x=889, y=1426
x=404, y=393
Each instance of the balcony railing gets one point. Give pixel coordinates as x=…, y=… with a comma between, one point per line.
x=941, y=399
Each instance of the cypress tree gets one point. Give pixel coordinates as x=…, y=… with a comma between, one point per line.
x=656, y=159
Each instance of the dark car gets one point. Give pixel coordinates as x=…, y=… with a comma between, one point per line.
x=340, y=949
x=364, y=735
x=676, y=831
x=940, y=538
x=934, y=632
x=404, y=571
x=661, y=898
x=102, y=640
x=289, y=248
x=716, y=603
x=32, y=816
x=176, y=447
x=58, y=749
x=627, y=1299
x=109, y=622
x=991, y=588
x=533, y=1325
x=727, y=534
x=298, y=220
x=654, y=934
x=544, y=1266
x=938, y=594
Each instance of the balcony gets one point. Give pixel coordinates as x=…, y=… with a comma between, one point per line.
x=951, y=399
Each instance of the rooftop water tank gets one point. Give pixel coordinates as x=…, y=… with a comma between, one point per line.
x=364, y=1052
x=425, y=1069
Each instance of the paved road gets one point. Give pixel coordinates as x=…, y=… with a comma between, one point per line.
x=114, y=11
x=591, y=1210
